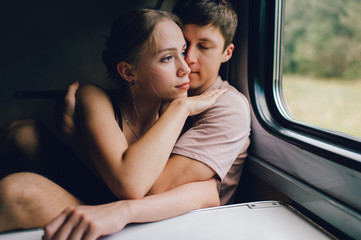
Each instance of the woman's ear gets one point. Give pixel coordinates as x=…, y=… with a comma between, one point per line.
x=228, y=53
x=125, y=70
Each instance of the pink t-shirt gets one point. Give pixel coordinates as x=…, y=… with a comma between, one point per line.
x=219, y=137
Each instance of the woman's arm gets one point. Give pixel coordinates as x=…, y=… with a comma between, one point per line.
x=130, y=171
x=91, y=222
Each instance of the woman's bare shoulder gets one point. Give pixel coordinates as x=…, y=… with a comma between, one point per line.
x=90, y=88
x=90, y=91
x=91, y=96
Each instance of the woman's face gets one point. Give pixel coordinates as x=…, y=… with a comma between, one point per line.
x=163, y=72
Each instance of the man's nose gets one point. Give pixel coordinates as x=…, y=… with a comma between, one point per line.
x=191, y=55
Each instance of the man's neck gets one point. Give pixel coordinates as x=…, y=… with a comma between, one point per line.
x=203, y=88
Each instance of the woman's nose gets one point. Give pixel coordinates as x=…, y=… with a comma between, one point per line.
x=183, y=68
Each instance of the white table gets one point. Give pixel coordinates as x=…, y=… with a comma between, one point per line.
x=257, y=220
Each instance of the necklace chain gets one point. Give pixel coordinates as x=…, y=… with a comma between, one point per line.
x=127, y=122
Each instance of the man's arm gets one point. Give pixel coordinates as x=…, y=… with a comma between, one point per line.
x=180, y=170
x=210, y=147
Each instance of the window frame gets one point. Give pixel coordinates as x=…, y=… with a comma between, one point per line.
x=265, y=47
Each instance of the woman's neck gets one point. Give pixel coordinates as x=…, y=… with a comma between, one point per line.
x=147, y=114
x=140, y=112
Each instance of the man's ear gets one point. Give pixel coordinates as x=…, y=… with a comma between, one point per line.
x=228, y=53
x=125, y=70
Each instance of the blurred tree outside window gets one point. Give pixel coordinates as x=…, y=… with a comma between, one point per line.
x=321, y=78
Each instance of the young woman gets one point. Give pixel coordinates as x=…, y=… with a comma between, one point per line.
x=129, y=150
x=126, y=142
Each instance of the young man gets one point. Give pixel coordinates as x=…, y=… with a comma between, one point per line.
x=215, y=142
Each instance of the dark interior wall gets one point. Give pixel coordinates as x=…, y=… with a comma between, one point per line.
x=46, y=45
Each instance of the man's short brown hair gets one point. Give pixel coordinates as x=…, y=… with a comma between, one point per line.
x=219, y=13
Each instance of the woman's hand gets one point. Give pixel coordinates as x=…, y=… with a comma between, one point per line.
x=198, y=104
x=88, y=222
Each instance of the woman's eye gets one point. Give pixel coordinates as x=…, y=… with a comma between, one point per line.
x=166, y=59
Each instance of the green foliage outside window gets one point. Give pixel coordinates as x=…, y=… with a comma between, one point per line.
x=321, y=78
x=323, y=38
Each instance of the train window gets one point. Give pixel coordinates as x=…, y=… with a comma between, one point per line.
x=321, y=65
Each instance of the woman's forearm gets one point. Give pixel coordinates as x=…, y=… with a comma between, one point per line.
x=95, y=221
x=148, y=156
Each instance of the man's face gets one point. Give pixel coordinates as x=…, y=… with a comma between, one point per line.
x=204, y=55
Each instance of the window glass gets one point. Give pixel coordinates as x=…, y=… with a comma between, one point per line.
x=321, y=79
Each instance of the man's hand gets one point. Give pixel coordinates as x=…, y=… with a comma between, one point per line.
x=67, y=127
x=65, y=115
